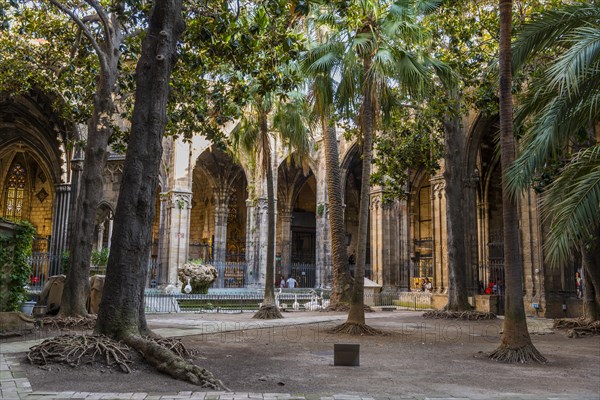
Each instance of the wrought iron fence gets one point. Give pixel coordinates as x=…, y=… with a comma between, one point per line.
x=290, y=300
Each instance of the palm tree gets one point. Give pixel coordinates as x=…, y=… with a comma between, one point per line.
x=371, y=53
x=322, y=91
x=563, y=106
x=516, y=345
x=253, y=135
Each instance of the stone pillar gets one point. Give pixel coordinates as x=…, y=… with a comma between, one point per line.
x=163, y=239
x=110, y=229
x=175, y=250
x=100, y=236
x=262, y=220
x=221, y=213
x=60, y=225
x=471, y=236
x=286, y=242
x=404, y=239
x=252, y=266
x=440, y=247
x=385, y=241
x=376, y=232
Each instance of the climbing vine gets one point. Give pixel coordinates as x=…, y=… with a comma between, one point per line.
x=15, y=270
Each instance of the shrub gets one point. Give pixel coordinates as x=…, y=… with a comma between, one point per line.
x=15, y=269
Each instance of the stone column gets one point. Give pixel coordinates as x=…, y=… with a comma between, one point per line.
x=163, y=239
x=376, y=232
x=440, y=248
x=286, y=241
x=404, y=239
x=252, y=266
x=100, y=236
x=221, y=213
x=110, y=229
x=385, y=241
x=262, y=220
x=178, y=206
x=60, y=225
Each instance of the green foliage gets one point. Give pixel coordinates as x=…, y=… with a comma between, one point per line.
x=320, y=209
x=412, y=140
x=15, y=268
x=100, y=257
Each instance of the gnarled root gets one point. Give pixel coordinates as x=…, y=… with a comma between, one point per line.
x=525, y=354
x=341, y=307
x=58, y=323
x=578, y=327
x=174, y=345
x=167, y=362
x=268, y=312
x=464, y=315
x=355, y=328
x=74, y=350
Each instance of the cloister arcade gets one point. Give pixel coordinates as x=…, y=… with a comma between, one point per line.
x=212, y=206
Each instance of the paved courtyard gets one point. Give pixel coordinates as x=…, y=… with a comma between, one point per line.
x=418, y=359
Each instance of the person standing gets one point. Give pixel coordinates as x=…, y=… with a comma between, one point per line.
x=291, y=282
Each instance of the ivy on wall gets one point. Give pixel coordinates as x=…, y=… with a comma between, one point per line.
x=15, y=250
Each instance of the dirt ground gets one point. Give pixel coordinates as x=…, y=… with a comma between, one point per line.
x=417, y=357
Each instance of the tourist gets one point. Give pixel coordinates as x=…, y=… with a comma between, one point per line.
x=428, y=285
x=291, y=282
x=282, y=282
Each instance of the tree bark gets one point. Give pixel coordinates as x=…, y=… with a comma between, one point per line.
x=269, y=309
x=77, y=285
x=121, y=315
x=591, y=279
x=455, y=184
x=342, y=282
x=121, y=311
x=356, y=314
x=516, y=345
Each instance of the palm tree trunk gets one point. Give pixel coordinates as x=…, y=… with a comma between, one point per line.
x=355, y=323
x=516, y=345
x=342, y=282
x=269, y=309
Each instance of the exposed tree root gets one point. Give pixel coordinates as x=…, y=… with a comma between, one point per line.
x=167, y=362
x=268, y=312
x=354, y=328
x=464, y=315
x=341, y=307
x=344, y=307
x=87, y=349
x=166, y=355
x=174, y=345
x=525, y=354
x=578, y=327
x=59, y=323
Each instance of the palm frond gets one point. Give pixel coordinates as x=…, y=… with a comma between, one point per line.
x=581, y=59
x=549, y=28
x=572, y=204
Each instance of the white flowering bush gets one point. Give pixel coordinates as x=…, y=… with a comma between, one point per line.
x=200, y=277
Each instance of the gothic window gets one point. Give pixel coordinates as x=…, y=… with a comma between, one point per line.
x=15, y=192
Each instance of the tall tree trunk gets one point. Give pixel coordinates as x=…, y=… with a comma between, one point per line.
x=77, y=287
x=269, y=309
x=591, y=278
x=455, y=187
x=121, y=314
x=516, y=345
x=342, y=282
x=355, y=323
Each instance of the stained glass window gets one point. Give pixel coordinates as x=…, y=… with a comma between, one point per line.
x=15, y=192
